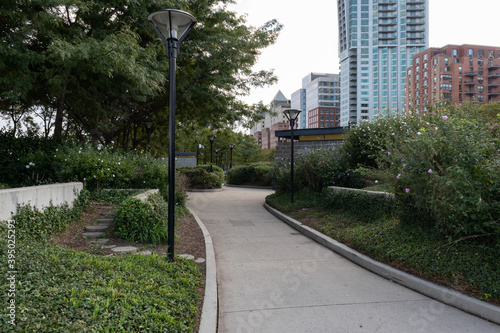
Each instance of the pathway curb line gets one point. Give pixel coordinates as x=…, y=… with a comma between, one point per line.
x=209, y=312
x=445, y=295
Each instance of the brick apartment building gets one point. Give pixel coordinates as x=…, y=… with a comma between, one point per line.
x=455, y=73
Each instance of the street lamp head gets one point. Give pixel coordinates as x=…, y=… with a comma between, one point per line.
x=172, y=24
x=211, y=138
x=148, y=124
x=291, y=114
x=231, y=145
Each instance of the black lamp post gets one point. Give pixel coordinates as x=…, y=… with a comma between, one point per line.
x=172, y=26
x=217, y=150
x=148, y=125
x=231, y=146
x=211, y=139
x=291, y=115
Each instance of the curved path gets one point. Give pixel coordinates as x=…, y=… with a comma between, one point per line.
x=273, y=279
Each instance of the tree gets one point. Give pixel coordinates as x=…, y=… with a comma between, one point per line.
x=103, y=69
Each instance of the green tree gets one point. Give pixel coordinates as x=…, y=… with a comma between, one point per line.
x=103, y=70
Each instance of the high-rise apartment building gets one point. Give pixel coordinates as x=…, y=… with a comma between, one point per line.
x=455, y=73
x=377, y=42
x=319, y=100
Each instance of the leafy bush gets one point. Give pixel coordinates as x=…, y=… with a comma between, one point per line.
x=28, y=160
x=316, y=169
x=200, y=177
x=447, y=172
x=250, y=174
x=142, y=221
x=103, y=167
x=32, y=223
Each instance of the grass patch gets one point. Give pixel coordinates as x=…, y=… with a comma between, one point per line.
x=470, y=266
x=60, y=290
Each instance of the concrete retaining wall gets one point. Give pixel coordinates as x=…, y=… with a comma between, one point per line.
x=37, y=196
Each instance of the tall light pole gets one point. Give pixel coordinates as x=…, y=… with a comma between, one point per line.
x=231, y=146
x=217, y=150
x=211, y=139
x=291, y=115
x=172, y=26
x=148, y=124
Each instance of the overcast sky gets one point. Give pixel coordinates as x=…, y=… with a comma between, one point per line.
x=309, y=40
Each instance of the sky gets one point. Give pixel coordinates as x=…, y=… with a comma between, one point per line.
x=309, y=39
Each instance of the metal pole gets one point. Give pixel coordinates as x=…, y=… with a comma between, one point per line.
x=172, y=50
x=292, y=124
x=211, y=154
x=231, y=161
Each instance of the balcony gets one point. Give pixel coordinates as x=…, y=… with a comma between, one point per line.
x=493, y=93
x=415, y=21
x=418, y=14
x=415, y=28
x=387, y=21
x=387, y=8
x=387, y=36
x=410, y=7
x=470, y=92
x=387, y=15
x=493, y=66
x=494, y=75
x=416, y=2
x=387, y=1
x=470, y=83
x=471, y=74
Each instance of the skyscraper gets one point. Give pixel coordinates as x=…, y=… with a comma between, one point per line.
x=377, y=42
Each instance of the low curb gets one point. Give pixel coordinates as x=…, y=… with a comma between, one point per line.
x=445, y=295
x=250, y=186
x=209, y=312
x=205, y=190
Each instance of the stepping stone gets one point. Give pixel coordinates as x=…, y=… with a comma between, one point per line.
x=100, y=241
x=108, y=246
x=124, y=249
x=93, y=234
x=97, y=227
x=199, y=261
x=145, y=252
x=186, y=256
x=108, y=214
x=103, y=221
x=107, y=207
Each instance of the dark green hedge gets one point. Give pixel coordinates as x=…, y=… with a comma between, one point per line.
x=200, y=177
x=250, y=174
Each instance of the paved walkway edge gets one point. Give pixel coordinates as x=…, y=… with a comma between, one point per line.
x=209, y=312
x=453, y=298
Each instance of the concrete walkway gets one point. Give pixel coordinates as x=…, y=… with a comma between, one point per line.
x=273, y=279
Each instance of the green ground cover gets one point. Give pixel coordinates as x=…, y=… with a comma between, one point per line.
x=61, y=290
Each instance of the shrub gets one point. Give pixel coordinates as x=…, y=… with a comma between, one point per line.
x=142, y=221
x=32, y=223
x=250, y=174
x=200, y=177
x=447, y=172
x=28, y=160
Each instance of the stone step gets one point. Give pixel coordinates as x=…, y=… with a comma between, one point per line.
x=186, y=256
x=104, y=221
x=107, y=207
x=108, y=214
x=199, y=261
x=108, y=246
x=97, y=227
x=93, y=234
x=100, y=241
x=124, y=249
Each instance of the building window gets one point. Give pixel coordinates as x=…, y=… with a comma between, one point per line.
x=435, y=62
x=480, y=53
x=480, y=62
x=491, y=54
x=460, y=70
x=454, y=53
x=470, y=52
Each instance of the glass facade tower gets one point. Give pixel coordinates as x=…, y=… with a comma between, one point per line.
x=377, y=42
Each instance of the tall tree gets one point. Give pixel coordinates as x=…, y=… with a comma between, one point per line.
x=102, y=68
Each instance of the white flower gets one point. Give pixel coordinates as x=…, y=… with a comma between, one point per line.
x=419, y=133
